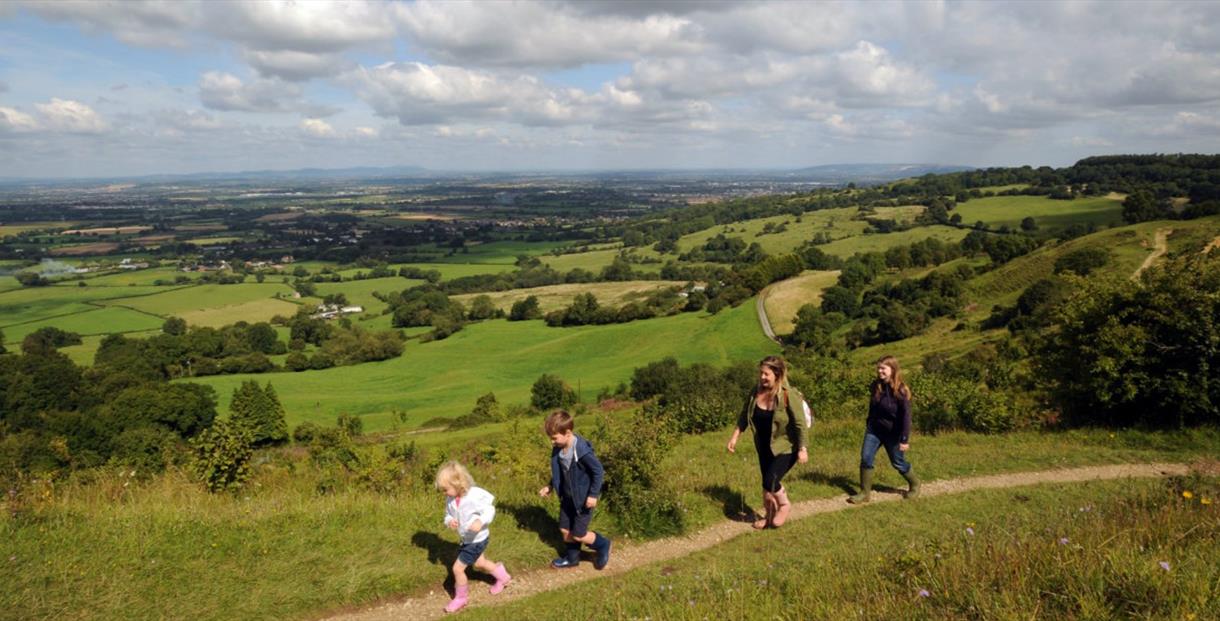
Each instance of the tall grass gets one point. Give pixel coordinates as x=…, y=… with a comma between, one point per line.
x=111, y=545
x=1101, y=550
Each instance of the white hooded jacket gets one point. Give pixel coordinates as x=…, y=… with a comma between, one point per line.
x=477, y=504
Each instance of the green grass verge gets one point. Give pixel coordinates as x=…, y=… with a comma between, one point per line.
x=114, y=546
x=1107, y=549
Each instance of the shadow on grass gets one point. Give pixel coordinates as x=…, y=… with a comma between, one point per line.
x=536, y=519
x=444, y=552
x=821, y=478
x=734, y=503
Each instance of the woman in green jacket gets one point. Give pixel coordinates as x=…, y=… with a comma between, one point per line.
x=778, y=416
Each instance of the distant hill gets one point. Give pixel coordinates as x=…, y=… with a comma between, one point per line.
x=873, y=173
x=832, y=174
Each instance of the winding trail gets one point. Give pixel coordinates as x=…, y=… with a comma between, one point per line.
x=626, y=558
x=762, y=315
x=1161, y=246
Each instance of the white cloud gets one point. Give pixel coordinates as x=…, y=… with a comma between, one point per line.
x=16, y=121
x=317, y=128
x=224, y=91
x=146, y=23
x=419, y=94
x=293, y=65
x=537, y=34
x=66, y=115
x=366, y=132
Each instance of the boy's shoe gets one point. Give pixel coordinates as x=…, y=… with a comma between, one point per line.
x=502, y=579
x=459, y=599
x=564, y=562
x=603, y=554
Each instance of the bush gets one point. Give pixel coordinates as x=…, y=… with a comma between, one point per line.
x=1139, y=353
x=222, y=456
x=1082, y=261
x=144, y=449
x=305, y=433
x=653, y=378
x=353, y=426
x=550, y=392
x=631, y=448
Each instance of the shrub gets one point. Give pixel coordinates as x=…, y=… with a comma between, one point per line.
x=631, y=448
x=222, y=456
x=305, y=432
x=550, y=392
x=353, y=426
x=1138, y=353
x=653, y=378
x=1082, y=261
x=145, y=449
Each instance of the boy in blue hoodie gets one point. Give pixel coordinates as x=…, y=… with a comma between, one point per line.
x=577, y=476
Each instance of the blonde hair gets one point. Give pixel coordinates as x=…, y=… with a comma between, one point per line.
x=897, y=386
x=779, y=368
x=456, y=476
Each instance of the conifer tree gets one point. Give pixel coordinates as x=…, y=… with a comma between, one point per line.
x=259, y=411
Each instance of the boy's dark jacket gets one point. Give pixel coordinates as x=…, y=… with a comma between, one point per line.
x=585, y=478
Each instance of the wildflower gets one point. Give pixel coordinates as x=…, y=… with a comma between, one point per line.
x=1187, y=495
x=1164, y=565
x=1063, y=541
x=1205, y=501
x=969, y=531
x=924, y=593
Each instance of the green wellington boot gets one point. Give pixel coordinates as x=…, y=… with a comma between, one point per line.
x=866, y=488
x=913, y=493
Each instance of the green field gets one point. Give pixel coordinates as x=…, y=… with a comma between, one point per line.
x=360, y=292
x=131, y=277
x=1047, y=213
x=877, y=242
x=783, y=299
x=559, y=296
x=234, y=299
x=837, y=222
x=43, y=303
x=448, y=271
x=96, y=321
x=444, y=378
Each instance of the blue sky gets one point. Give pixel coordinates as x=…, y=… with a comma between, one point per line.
x=128, y=88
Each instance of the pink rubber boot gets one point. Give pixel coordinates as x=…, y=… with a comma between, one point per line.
x=502, y=579
x=459, y=599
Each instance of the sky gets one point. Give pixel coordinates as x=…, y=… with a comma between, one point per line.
x=102, y=88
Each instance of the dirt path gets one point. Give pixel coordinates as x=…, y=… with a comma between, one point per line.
x=1161, y=246
x=626, y=558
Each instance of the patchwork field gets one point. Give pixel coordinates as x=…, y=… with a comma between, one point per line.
x=444, y=378
x=179, y=302
x=93, y=322
x=20, y=306
x=18, y=228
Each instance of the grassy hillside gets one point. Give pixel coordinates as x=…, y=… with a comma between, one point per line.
x=559, y=296
x=782, y=299
x=118, y=546
x=443, y=378
x=1047, y=213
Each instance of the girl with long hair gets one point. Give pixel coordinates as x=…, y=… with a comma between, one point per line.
x=888, y=425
